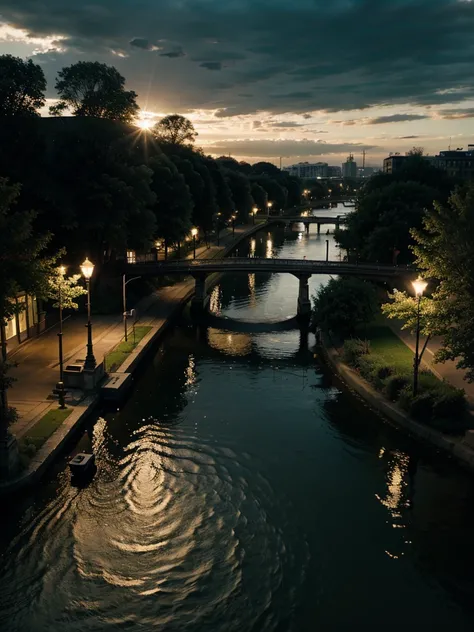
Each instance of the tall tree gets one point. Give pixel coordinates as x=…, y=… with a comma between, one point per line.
x=174, y=204
x=22, y=87
x=445, y=250
x=344, y=304
x=240, y=189
x=100, y=201
x=22, y=268
x=176, y=130
x=96, y=90
x=379, y=229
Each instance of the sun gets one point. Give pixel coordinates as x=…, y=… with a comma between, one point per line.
x=144, y=123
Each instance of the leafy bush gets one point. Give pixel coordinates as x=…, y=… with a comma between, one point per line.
x=365, y=366
x=353, y=349
x=450, y=403
x=421, y=407
x=394, y=386
x=405, y=398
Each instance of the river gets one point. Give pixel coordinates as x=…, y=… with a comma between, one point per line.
x=242, y=488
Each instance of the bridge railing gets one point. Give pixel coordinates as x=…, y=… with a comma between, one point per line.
x=255, y=262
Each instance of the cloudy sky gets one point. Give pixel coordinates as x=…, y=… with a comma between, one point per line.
x=301, y=79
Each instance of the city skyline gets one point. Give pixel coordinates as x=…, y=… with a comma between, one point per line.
x=259, y=81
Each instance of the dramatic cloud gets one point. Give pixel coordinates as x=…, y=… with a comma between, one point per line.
x=211, y=65
x=456, y=114
x=395, y=118
x=174, y=54
x=140, y=42
x=284, y=148
x=286, y=124
x=279, y=57
x=381, y=120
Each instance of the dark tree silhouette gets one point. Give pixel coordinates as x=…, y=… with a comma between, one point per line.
x=96, y=90
x=22, y=87
x=176, y=130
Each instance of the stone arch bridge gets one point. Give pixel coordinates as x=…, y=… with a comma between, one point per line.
x=302, y=269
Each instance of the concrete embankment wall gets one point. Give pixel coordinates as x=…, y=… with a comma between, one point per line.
x=457, y=447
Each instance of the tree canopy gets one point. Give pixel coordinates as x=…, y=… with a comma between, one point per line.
x=176, y=130
x=94, y=89
x=444, y=249
x=22, y=87
x=344, y=304
x=379, y=229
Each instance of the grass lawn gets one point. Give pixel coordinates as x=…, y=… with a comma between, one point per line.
x=387, y=346
x=44, y=427
x=118, y=355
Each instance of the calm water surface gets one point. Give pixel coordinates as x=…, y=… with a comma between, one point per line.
x=241, y=489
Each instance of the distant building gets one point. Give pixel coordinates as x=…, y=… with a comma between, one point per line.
x=395, y=162
x=334, y=172
x=308, y=170
x=457, y=163
x=349, y=168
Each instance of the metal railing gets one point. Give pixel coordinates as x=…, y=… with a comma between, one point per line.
x=236, y=263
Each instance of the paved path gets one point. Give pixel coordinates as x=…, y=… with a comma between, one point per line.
x=446, y=370
x=37, y=372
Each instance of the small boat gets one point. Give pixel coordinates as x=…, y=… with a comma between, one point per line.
x=82, y=464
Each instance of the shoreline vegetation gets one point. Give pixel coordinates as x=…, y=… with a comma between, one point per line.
x=386, y=363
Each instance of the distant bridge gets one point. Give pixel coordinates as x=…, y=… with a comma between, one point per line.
x=310, y=219
x=345, y=200
x=303, y=269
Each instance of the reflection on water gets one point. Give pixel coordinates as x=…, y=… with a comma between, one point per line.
x=240, y=488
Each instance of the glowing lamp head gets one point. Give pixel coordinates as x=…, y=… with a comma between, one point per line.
x=194, y=232
x=62, y=270
x=419, y=285
x=269, y=204
x=255, y=210
x=87, y=268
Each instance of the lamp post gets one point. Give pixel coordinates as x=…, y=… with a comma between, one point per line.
x=124, y=298
x=254, y=212
x=218, y=226
x=419, y=286
x=233, y=225
x=194, y=232
x=87, y=268
x=269, y=206
x=60, y=384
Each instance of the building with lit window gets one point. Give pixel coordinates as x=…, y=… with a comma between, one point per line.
x=308, y=170
x=457, y=163
x=26, y=323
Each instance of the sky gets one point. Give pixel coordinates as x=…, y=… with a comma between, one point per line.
x=304, y=80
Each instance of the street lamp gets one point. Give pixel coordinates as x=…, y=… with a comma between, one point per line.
x=194, y=232
x=60, y=384
x=233, y=224
x=87, y=268
x=124, y=298
x=218, y=226
x=419, y=286
x=269, y=206
x=254, y=212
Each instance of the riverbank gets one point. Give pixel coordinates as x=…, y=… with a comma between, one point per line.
x=157, y=311
x=460, y=448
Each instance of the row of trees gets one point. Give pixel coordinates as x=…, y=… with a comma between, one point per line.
x=101, y=185
x=389, y=206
